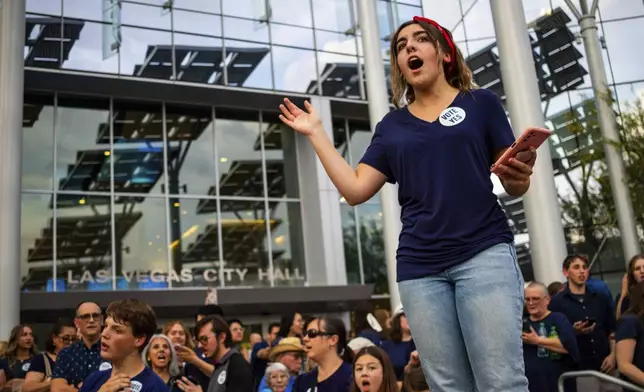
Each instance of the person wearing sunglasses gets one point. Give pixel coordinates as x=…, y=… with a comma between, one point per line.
x=40, y=372
x=325, y=343
x=456, y=261
x=82, y=358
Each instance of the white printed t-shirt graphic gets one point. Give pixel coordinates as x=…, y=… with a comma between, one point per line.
x=451, y=116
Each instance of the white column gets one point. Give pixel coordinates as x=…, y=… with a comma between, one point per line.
x=321, y=216
x=543, y=215
x=608, y=127
x=378, y=108
x=12, y=39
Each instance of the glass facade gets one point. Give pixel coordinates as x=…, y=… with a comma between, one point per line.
x=140, y=195
x=140, y=192
x=303, y=46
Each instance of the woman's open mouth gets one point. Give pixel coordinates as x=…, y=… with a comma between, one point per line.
x=365, y=385
x=414, y=63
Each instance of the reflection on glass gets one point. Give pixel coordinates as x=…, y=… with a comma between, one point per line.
x=81, y=9
x=248, y=65
x=37, y=141
x=372, y=246
x=145, y=16
x=360, y=138
x=142, y=242
x=36, y=242
x=194, y=243
x=190, y=132
x=386, y=22
x=246, y=30
x=196, y=23
x=84, y=243
x=334, y=15
x=240, y=157
x=255, y=9
x=44, y=40
x=281, y=160
x=339, y=75
x=292, y=36
x=352, y=249
x=82, y=152
x=85, y=47
x=52, y=7
x=287, y=244
x=331, y=42
x=294, y=12
x=146, y=53
x=198, y=59
x=138, y=147
x=294, y=69
x=198, y=5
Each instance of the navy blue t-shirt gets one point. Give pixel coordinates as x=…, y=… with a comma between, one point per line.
x=146, y=381
x=449, y=211
x=543, y=373
x=258, y=364
x=340, y=381
x=18, y=369
x=38, y=363
x=399, y=353
x=629, y=327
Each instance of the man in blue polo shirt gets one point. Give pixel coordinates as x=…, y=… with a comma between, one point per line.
x=82, y=358
x=592, y=319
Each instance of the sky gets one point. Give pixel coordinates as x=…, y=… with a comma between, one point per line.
x=290, y=68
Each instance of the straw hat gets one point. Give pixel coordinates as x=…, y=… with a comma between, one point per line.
x=286, y=345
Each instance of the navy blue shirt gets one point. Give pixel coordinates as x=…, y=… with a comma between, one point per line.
x=629, y=327
x=543, y=373
x=76, y=362
x=372, y=335
x=595, y=346
x=258, y=364
x=449, y=211
x=340, y=381
x=16, y=369
x=38, y=363
x=146, y=381
x=399, y=353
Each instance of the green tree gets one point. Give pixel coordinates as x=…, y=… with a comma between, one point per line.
x=589, y=209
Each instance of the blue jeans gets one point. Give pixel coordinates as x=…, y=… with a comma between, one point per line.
x=466, y=323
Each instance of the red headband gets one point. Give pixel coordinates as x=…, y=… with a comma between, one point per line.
x=445, y=35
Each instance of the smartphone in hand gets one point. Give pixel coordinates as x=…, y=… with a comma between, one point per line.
x=531, y=138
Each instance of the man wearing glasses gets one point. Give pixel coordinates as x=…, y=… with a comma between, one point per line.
x=232, y=372
x=82, y=358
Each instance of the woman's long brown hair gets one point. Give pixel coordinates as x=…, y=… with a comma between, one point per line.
x=389, y=382
x=458, y=74
x=11, y=351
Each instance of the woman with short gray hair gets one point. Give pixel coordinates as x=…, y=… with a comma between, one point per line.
x=276, y=376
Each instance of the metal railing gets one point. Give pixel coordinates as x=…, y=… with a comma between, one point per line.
x=601, y=376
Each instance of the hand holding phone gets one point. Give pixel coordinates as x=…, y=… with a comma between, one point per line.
x=531, y=138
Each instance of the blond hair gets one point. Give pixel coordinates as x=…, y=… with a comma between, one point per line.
x=457, y=73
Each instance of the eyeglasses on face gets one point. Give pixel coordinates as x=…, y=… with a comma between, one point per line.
x=90, y=316
x=68, y=338
x=314, y=333
x=203, y=339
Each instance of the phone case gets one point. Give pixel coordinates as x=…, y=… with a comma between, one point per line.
x=532, y=137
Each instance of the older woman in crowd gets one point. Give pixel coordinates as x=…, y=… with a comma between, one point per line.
x=277, y=378
x=160, y=356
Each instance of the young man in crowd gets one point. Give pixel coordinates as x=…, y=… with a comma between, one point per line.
x=232, y=372
x=129, y=326
x=259, y=354
x=82, y=358
x=592, y=319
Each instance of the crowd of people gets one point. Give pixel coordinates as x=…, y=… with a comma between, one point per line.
x=123, y=348
x=572, y=325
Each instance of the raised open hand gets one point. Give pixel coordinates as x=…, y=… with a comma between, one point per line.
x=305, y=122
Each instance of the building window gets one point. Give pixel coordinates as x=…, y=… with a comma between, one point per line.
x=362, y=226
x=132, y=195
